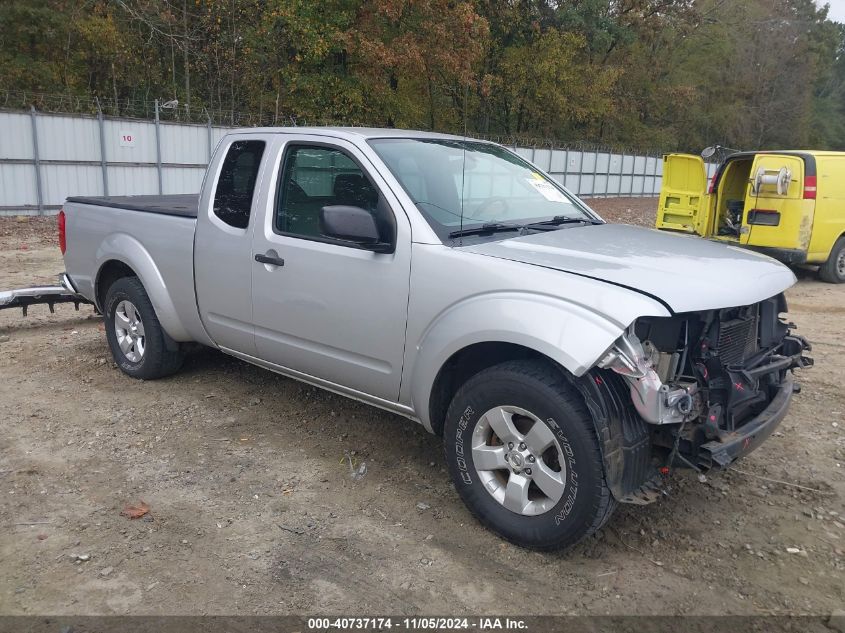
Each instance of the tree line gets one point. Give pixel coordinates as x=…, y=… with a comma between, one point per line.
x=668, y=74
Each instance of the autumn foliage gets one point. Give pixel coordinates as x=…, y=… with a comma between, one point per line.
x=640, y=73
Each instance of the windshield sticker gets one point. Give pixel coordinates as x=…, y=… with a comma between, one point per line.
x=547, y=190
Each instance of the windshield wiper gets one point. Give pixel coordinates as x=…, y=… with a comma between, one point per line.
x=547, y=225
x=490, y=227
x=560, y=220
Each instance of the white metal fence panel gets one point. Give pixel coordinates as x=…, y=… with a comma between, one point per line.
x=15, y=136
x=182, y=179
x=44, y=158
x=129, y=142
x=602, y=174
x=17, y=186
x=67, y=138
x=58, y=180
x=132, y=180
x=184, y=144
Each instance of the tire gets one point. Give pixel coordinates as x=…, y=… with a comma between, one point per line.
x=833, y=270
x=130, y=320
x=528, y=393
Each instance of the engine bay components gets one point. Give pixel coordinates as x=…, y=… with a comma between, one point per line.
x=655, y=400
x=716, y=368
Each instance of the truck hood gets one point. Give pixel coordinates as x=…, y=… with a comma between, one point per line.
x=684, y=272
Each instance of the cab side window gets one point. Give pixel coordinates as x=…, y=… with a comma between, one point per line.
x=236, y=185
x=315, y=177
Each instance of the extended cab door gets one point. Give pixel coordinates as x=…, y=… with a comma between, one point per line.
x=684, y=203
x=325, y=308
x=223, y=240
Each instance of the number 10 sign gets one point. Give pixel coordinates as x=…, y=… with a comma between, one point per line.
x=127, y=139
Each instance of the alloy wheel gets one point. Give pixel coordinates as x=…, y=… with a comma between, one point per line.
x=129, y=330
x=519, y=460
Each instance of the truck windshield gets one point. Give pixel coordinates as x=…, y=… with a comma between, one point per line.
x=461, y=186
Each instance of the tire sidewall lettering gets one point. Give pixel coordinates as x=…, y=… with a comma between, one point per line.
x=463, y=432
x=536, y=388
x=571, y=491
x=460, y=452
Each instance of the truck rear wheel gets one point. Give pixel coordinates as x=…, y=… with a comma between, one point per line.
x=833, y=270
x=524, y=457
x=139, y=345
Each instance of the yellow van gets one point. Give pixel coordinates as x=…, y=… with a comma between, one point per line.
x=787, y=204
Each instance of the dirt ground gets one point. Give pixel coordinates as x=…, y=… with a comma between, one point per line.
x=253, y=509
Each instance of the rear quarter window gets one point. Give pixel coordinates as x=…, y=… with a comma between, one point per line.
x=236, y=184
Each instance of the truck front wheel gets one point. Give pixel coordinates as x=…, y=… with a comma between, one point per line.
x=139, y=345
x=833, y=270
x=523, y=454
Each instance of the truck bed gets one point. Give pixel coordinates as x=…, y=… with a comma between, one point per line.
x=183, y=205
x=154, y=235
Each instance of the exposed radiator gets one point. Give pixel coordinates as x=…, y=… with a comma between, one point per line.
x=737, y=340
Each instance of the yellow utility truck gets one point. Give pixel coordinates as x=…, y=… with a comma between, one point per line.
x=787, y=204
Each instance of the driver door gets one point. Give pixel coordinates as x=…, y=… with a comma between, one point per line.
x=332, y=310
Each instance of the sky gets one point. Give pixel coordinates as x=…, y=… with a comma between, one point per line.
x=837, y=9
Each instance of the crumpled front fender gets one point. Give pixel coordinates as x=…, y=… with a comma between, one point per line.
x=570, y=334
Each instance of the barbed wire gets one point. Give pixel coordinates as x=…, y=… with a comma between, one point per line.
x=142, y=109
x=172, y=111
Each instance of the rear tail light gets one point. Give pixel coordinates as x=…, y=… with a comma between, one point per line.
x=62, y=235
x=712, y=187
x=810, y=188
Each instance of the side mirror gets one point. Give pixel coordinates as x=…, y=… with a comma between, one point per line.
x=707, y=152
x=352, y=224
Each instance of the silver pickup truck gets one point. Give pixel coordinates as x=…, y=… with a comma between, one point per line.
x=567, y=363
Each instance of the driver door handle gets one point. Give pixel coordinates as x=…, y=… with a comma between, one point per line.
x=269, y=259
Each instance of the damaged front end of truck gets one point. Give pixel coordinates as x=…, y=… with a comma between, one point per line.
x=707, y=388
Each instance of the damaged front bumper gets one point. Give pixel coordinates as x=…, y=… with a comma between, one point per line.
x=732, y=446
x=713, y=388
